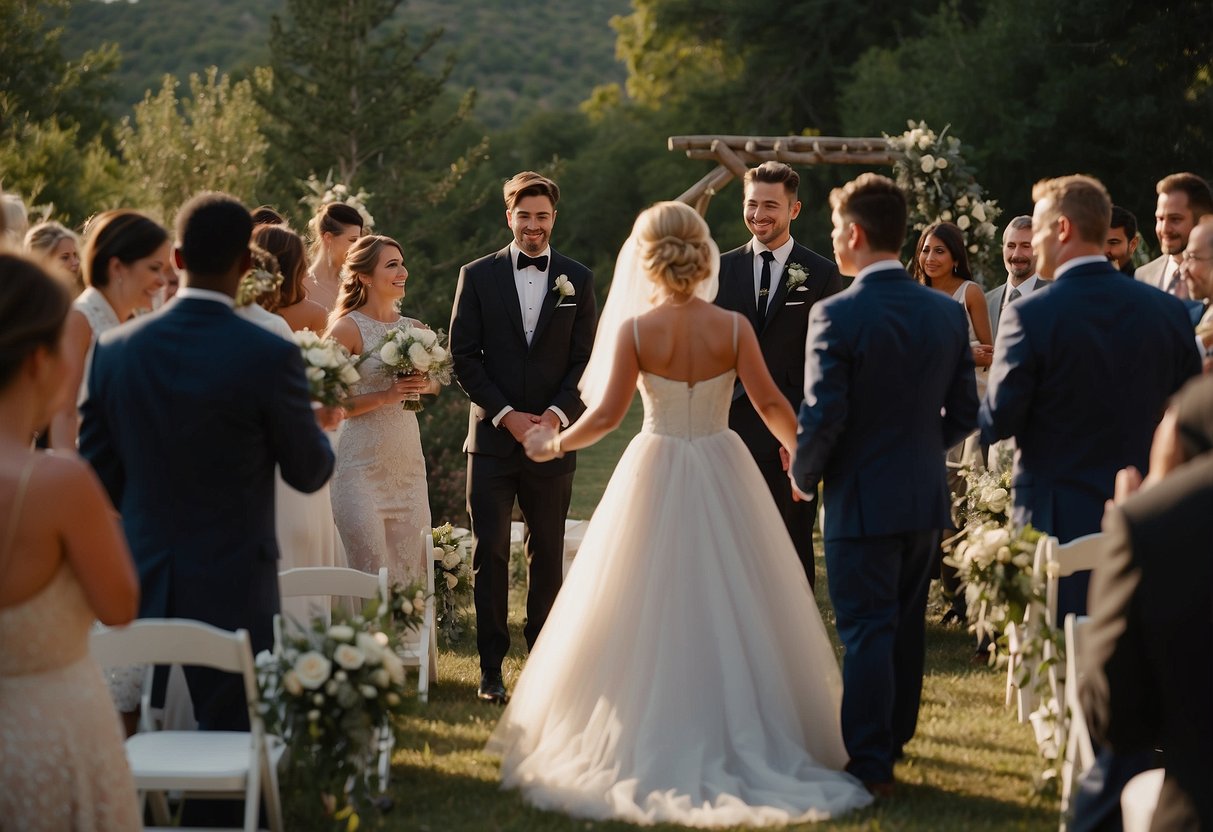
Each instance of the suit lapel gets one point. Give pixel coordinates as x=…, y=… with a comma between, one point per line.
x=503, y=276
x=550, y=298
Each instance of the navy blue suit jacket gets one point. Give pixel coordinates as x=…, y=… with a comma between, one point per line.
x=1082, y=372
x=189, y=411
x=889, y=387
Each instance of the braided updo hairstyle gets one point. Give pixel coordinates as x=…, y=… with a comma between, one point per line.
x=675, y=247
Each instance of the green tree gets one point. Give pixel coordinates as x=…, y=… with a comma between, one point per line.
x=211, y=140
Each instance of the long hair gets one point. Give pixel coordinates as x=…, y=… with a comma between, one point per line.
x=33, y=307
x=953, y=240
x=360, y=262
x=287, y=248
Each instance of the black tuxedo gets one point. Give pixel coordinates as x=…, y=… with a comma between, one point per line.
x=781, y=336
x=496, y=368
x=189, y=412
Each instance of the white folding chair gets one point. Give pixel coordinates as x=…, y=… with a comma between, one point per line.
x=1139, y=799
x=211, y=764
x=421, y=646
x=1079, y=751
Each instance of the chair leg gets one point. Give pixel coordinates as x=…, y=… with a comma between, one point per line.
x=387, y=744
x=252, y=797
x=161, y=815
x=271, y=795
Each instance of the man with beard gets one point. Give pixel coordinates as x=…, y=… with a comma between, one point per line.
x=1020, y=261
x=1197, y=270
x=1122, y=240
x=1183, y=198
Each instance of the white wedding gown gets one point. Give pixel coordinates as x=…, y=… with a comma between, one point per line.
x=684, y=674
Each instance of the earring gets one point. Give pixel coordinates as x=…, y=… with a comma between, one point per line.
x=955, y=271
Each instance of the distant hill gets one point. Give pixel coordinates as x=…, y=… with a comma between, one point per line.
x=546, y=55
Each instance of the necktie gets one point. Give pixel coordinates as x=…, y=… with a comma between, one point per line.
x=540, y=263
x=764, y=284
x=1176, y=285
x=1014, y=296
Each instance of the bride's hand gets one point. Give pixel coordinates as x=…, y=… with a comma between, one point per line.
x=542, y=443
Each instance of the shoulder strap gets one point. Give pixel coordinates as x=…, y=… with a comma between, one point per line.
x=15, y=514
x=636, y=336
x=735, y=317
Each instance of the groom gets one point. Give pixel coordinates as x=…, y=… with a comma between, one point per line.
x=521, y=333
x=889, y=387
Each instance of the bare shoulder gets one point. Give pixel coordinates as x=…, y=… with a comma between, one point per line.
x=346, y=331
x=62, y=475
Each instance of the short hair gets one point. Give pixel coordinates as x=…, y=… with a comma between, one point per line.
x=529, y=183
x=775, y=173
x=33, y=307
x=1200, y=197
x=1123, y=218
x=1018, y=223
x=125, y=234
x=267, y=215
x=287, y=248
x=953, y=240
x=877, y=205
x=1082, y=200
x=213, y=231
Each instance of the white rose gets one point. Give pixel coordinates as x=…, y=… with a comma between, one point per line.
x=419, y=601
x=368, y=691
x=370, y=648
x=564, y=287
x=406, y=606
x=420, y=357
x=438, y=553
x=389, y=353
x=979, y=212
x=1022, y=560
x=315, y=357
x=381, y=638
x=452, y=560
x=941, y=163
x=341, y=632
x=995, y=537
x=291, y=683
x=924, y=141
x=394, y=667
x=995, y=498
x=314, y=374
x=946, y=216
x=452, y=581
x=392, y=699
x=973, y=249
x=381, y=678
x=426, y=336
x=349, y=657
x=340, y=676
x=928, y=163
x=1003, y=555
x=963, y=222
x=438, y=354
x=318, y=699
x=962, y=202
x=312, y=669
x=306, y=338
x=349, y=375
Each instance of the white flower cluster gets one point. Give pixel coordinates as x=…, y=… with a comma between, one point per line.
x=320, y=194
x=412, y=349
x=940, y=186
x=255, y=283
x=329, y=367
x=452, y=550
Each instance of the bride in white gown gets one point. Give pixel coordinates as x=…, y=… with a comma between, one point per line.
x=684, y=674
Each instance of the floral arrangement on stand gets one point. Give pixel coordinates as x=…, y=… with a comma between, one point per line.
x=452, y=580
x=413, y=348
x=329, y=692
x=940, y=186
x=319, y=194
x=331, y=370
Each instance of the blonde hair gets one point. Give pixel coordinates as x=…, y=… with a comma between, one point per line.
x=674, y=246
x=360, y=261
x=1082, y=200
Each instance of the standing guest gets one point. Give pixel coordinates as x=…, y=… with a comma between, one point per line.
x=521, y=333
x=774, y=281
x=942, y=263
x=63, y=564
x=126, y=260
x=1020, y=261
x=1197, y=271
x=60, y=248
x=888, y=388
x=187, y=448
x=267, y=215
x=293, y=303
x=1122, y=240
x=1072, y=379
x=1183, y=198
x=380, y=498
x=333, y=230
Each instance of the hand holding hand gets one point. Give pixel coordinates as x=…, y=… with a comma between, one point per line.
x=518, y=423
x=542, y=443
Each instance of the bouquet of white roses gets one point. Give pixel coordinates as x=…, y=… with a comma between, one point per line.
x=452, y=578
x=412, y=348
x=330, y=368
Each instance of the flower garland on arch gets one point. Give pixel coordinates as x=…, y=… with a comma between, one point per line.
x=320, y=194
x=940, y=186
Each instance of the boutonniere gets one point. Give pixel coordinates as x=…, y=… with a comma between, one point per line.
x=564, y=287
x=797, y=275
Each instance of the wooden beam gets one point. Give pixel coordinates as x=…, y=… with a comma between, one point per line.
x=729, y=159
x=862, y=144
x=700, y=194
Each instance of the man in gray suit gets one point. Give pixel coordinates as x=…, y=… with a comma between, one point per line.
x=1020, y=260
x=1183, y=198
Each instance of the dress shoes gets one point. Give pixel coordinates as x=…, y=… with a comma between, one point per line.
x=492, y=687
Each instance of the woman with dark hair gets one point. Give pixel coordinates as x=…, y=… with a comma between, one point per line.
x=63, y=563
x=125, y=264
x=380, y=499
x=333, y=230
x=293, y=303
x=941, y=262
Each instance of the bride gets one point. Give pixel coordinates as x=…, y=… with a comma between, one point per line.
x=684, y=675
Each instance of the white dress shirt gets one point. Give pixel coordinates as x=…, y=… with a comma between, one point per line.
x=1029, y=286
x=1079, y=261
x=781, y=259
x=189, y=292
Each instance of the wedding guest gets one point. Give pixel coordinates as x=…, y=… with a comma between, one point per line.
x=1020, y=263
x=380, y=495
x=333, y=230
x=293, y=303
x=761, y=281
x=1196, y=267
x=1122, y=239
x=1073, y=380
x=63, y=564
x=16, y=221
x=267, y=215
x=1183, y=198
x=60, y=248
x=126, y=258
x=942, y=263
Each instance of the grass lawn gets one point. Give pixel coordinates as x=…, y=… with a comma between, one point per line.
x=970, y=766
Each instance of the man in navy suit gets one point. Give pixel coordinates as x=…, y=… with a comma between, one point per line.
x=190, y=410
x=521, y=333
x=774, y=281
x=889, y=387
x=1082, y=371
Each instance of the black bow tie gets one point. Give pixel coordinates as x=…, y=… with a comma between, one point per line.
x=540, y=263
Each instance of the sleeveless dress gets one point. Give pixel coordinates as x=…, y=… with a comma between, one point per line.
x=380, y=498
x=684, y=674
x=101, y=317
x=981, y=372
x=62, y=763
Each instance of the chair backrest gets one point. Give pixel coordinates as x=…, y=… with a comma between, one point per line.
x=332, y=580
x=1079, y=554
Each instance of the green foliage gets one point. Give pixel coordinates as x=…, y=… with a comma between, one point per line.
x=173, y=148
x=53, y=169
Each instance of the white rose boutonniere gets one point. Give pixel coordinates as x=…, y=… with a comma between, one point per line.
x=564, y=287
x=797, y=275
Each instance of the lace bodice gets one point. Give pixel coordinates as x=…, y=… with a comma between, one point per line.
x=47, y=631
x=687, y=411
x=100, y=316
